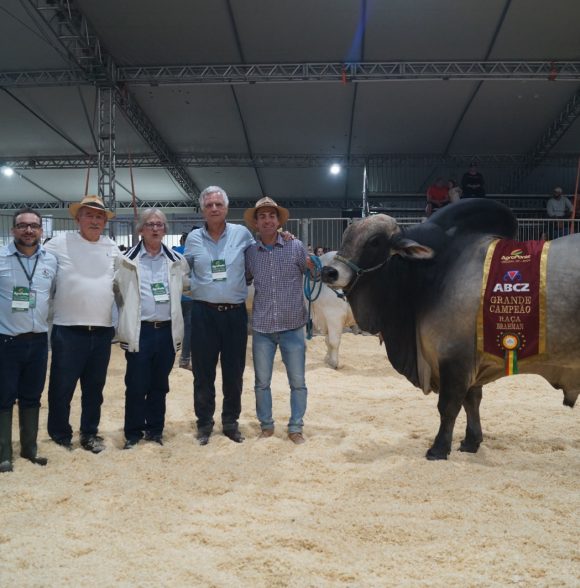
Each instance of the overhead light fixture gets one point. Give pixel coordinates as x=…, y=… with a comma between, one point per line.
x=335, y=169
x=7, y=171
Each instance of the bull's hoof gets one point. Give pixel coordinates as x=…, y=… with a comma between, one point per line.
x=433, y=455
x=469, y=446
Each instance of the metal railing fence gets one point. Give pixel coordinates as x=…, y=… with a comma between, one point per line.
x=317, y=232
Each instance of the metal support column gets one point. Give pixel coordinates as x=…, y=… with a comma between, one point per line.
x=106, y=140
x=304, y=231
x=365, y=201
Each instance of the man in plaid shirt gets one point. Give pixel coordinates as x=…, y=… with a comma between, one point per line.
x=276, y=267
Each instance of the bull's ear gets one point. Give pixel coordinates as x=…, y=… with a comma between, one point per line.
x=412, y=249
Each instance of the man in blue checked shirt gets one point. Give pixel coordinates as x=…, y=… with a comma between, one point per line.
x=27, y=274
x=276, y=267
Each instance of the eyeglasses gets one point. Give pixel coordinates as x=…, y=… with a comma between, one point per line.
x=24, y=226
x=154, y=225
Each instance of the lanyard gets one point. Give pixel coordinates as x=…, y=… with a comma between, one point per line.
x=28, y=276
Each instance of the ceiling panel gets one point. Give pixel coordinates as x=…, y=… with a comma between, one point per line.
x=24, y=42
x=298, y=118
x=171, y=32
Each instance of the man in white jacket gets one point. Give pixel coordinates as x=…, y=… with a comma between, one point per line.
x=149, y=281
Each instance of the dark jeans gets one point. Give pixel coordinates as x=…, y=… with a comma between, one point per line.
x=147, y=382
x=218, y=335
x=558, y=228
x=22, y=370
x=186, y=345
x=77, y=354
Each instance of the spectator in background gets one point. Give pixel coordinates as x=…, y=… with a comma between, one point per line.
x=472, y=183
x=455, y=191
x=186, y=303
x=558, y=208
x=437, y=196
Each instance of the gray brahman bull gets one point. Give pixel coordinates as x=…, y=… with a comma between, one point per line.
x=421, y=288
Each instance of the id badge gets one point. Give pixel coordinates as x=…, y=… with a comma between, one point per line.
x=20, y=299
x=159, y=291
x=218, y=270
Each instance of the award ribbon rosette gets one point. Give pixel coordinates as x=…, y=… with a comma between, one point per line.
x=512, y=318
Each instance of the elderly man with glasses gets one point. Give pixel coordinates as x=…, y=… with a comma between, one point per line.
x=27, y=273
x=149, y=280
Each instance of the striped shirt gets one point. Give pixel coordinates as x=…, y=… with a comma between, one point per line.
x=277, y=273
x=41, y=267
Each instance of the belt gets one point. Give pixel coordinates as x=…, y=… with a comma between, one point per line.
x=30, y=335
x=155, y=324
x=220, y=306
x=25, y=336
x=85, y=327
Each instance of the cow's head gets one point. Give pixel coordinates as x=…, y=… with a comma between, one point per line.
x=367, y=246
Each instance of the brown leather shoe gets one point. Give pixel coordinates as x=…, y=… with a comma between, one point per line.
x=266, y=433
x=296, y=438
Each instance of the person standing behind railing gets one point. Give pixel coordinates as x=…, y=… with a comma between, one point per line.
x=473, y=183
x=437, y=196
x=558, y=208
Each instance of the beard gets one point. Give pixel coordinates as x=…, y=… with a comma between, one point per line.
x=27, y=243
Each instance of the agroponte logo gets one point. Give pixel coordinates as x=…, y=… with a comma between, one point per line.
x=516, y=255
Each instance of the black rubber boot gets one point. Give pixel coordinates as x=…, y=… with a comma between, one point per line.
x=28, y=420
x=6, y=441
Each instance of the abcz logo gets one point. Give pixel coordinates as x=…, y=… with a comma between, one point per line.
x=512, y=282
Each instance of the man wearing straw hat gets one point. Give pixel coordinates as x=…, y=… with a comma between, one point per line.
x=276, y=267
x=82, y=323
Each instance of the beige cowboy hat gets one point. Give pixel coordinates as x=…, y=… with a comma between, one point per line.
x=95, y=202
x=266, y=202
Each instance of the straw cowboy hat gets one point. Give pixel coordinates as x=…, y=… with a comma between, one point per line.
x=95, y=202
x=251, y=213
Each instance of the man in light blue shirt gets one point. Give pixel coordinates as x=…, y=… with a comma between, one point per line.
x=27, y=274
x=219, y=321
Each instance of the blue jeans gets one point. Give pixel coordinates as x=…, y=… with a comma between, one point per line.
x=22, y=370
x=147, y=382
x=293, y=350
x=77, y=354
x=186, y=345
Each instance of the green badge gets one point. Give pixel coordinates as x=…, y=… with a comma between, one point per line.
x=159, y=291
x=218, y=270
x=20, y=299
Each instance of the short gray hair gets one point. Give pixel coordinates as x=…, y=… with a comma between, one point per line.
x=213, y=190
x=147, y=214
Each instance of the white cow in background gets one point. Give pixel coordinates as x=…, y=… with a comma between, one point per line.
x=330, y=315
